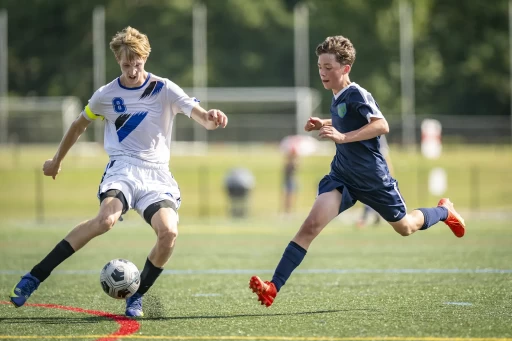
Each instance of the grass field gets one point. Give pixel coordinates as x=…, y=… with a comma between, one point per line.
x=368, y=284
x=479, y=179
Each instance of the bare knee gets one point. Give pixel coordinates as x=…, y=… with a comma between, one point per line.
x=105, y=222
x=403, y=229
x=167, y=236
x=405, y=226
x=404, y=232
x=311, y=227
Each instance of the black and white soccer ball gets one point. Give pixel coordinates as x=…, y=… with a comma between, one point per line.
x=120, y=278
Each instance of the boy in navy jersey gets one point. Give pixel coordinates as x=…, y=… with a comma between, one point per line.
x=358, y=170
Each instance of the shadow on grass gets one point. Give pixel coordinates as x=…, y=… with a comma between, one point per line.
x=98, y=319
x=155, y=310
x=170, y=318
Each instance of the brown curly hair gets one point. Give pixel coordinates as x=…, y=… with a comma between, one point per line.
x=339, y=46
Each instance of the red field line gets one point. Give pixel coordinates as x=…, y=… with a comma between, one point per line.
x=126, y=326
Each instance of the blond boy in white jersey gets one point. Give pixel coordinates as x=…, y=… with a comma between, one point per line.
x=138, y=109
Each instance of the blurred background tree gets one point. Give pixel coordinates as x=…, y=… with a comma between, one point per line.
x=461, y=48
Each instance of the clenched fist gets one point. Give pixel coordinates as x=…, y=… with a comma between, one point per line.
x=314, y=123
x=51, y=168
x=218, y=117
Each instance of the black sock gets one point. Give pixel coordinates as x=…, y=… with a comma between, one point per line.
x=59, y=254
x=148, y=276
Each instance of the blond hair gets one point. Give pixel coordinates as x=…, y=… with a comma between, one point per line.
x=130, y=43
x=339, y=46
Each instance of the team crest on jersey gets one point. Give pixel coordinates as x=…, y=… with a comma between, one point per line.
x=342, y=109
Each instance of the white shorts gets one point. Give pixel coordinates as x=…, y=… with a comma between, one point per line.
x=142, y=183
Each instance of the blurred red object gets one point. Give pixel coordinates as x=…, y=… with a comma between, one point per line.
x=298, y=145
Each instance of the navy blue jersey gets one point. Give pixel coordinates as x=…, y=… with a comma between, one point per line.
x=360, y=165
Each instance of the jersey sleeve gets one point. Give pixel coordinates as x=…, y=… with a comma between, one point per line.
x=179, y=100
x=92, y=110
x=365, y=105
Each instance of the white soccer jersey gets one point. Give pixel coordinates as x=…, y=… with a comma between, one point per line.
x=138, y=121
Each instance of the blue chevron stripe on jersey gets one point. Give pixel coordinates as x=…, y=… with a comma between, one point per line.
x=130, y=124
x=148, y=90
x=158, y=88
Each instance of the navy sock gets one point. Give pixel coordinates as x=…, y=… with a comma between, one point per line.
x=60, y=253
x=148, y=276
x=292, y=256
x=433, y=216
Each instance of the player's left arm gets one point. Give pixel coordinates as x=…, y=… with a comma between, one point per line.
x=376, y=127
x=211, y=119
x=369, y=109
x=181, y=102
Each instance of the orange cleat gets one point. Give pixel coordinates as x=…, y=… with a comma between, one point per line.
x=454, y=220
x=266, y=291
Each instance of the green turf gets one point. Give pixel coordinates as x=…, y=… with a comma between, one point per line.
x=479, y=179
x=312, y=306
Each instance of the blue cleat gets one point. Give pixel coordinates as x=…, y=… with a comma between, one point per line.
x=22, y=291
x=134, y=305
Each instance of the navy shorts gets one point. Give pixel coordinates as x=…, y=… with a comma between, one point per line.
x=387, y=201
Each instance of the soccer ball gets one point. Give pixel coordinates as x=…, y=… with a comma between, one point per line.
x=120, y=278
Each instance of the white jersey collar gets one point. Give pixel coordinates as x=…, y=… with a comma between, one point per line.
x=336, y=96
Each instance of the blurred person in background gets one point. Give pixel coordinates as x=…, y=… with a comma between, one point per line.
x=138, y=109
x=358, y=169
x=368, y=212
x=293, y=148
x=290, y=184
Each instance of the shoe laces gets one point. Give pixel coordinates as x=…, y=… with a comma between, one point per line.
x=28, y=286
x=135, y=302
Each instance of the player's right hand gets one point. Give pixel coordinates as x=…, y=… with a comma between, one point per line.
x=314, y=123
x=51, y=168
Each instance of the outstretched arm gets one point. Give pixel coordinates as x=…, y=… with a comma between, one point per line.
x=52, y=167
x=376, y=127
x=211, y=119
